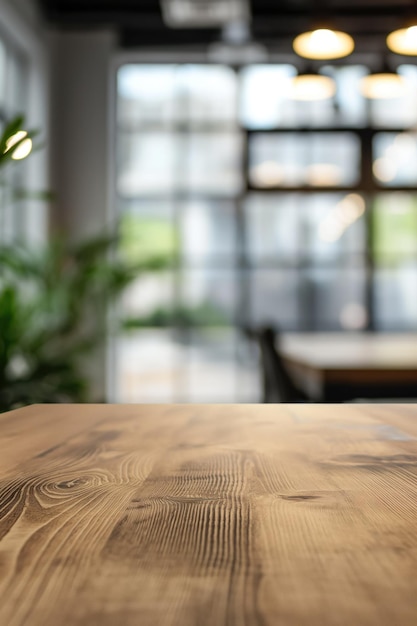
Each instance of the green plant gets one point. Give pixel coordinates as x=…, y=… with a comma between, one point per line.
x=54, y=304
x=203, y=315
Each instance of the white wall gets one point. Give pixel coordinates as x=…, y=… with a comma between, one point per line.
x=81, y=121
x=21, y=24
x=82, y=155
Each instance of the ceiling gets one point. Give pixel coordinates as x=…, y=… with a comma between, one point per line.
x=274, y=22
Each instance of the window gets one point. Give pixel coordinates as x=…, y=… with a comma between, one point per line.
x=395, y=159
x=304, y=159
x=395, y=254
x=302, y=215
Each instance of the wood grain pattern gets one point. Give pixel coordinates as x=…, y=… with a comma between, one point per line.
x=209, y=515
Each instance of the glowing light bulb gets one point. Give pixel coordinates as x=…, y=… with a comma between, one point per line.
x=311, y=87
x=383, y=86
x=323, y=44
x=14, y=139
x=403, y=41
x=323, y=37
x=23, y=150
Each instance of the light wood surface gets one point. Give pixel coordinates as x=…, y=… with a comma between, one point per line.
x=353, y=350
x=319, y=360
x=288, y=515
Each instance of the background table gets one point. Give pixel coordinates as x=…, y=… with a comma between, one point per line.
x=341, y=366
x=209, y=515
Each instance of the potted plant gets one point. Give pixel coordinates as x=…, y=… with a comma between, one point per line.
x=53, y=306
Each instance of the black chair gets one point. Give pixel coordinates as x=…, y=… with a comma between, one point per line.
x=278, y=385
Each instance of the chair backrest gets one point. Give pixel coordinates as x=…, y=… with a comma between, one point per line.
x=277, y=383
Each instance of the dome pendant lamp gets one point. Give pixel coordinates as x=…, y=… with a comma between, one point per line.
x=323, y=44
x=404, y=40
x=384, y=84
x=311, y=86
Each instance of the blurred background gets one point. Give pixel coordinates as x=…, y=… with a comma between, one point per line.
x=242, y=202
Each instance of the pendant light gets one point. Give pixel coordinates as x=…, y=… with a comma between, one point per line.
x=404, y=40
x=384, y=84
x=311, y=86
x=323, y=44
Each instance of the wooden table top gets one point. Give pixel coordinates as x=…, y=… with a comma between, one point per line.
x=350, y=351
x=288, y=515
